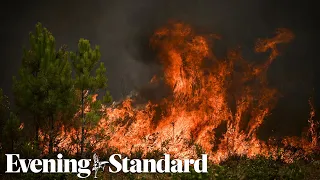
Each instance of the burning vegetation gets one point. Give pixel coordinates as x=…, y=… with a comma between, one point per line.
x=214, y=105
x=199, y=103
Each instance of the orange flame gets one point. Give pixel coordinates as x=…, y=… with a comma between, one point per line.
x=229, y=91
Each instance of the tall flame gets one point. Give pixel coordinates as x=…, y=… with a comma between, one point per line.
x=207, y=94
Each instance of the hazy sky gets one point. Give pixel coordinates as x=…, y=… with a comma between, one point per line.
x=122, y=29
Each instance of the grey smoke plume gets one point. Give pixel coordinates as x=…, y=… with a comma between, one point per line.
x=122, y=29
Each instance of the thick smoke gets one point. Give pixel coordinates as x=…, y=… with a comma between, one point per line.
x=122, y=28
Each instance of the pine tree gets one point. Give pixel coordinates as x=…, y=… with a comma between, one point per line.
x=4, y=105
x=59, y=88
x=4, y=111
x=44, y=87
x=11, y=132
x=90, y=78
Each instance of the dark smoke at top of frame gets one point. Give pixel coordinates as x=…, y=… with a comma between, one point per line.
x=122, y=29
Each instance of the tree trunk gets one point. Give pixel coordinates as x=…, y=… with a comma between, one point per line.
x=37, y=134
x=51, y=135
x=82, y=124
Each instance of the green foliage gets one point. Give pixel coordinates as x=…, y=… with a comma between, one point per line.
x=4, y=110
x=192, y=175
x=155, y=154
x=137, y=153
x=44, y=87
x=4, y=106
x=40, y=176
x=94, y=115
x=107, y=98
x=90, y=74
x=11, y=132
x=30, y=88
x=90, y=78
x=84, y=62
x=46, y=90
x=26, y=149
x=261, y=168
x=199, y=150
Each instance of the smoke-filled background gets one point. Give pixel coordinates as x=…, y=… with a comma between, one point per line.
x=122, y=29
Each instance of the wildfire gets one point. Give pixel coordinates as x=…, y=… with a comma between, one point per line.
x=207, y=93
